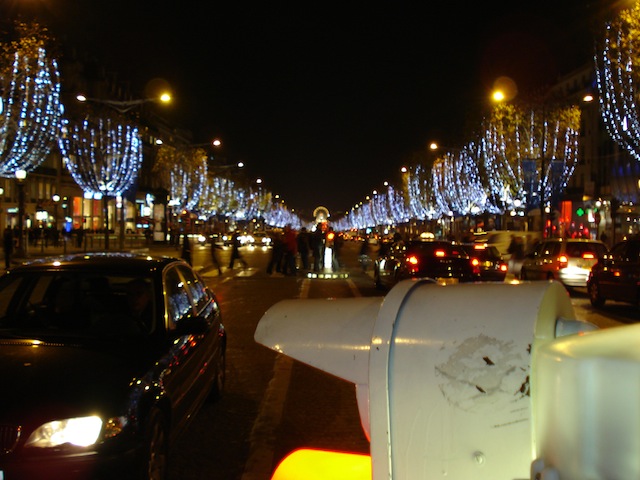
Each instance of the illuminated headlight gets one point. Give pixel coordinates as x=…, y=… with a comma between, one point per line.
x=202, y=238
x=266, y=240
x=82, y=432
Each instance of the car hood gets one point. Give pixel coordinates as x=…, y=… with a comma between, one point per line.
x=62, y=379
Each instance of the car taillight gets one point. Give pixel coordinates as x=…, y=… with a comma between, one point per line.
x=413, y=262
x=440, y=253
x=563, y=261
x=504, y=267
x=475, y=266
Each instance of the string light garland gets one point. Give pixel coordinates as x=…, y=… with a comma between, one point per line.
x=103, y=157
x=31, y=111
x=617, y=77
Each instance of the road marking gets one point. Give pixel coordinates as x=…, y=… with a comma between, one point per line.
x=354, y=289
x=262, y=439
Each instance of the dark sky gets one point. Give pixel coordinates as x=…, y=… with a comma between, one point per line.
x=326, y=100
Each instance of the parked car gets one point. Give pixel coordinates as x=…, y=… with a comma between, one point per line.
x=488, y=261
x=617, y=275
x=104, y=360
x=441, y=260
x=568, y=260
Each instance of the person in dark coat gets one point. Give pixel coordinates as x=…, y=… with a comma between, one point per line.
x=235, y=252
x=186, y=249
x=304, y=247
x=8, y=247
x=214, y=255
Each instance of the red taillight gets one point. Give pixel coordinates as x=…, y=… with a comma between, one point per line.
x=504, y=267
x=588, y=255
x=563, y=261
x=475, y=262
x=440, y=253
x=412, y=260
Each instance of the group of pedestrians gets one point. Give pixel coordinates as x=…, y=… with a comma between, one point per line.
x=289, y=246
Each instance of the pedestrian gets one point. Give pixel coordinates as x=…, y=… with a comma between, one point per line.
x=186, y=249
x=290, y=251
x=8, y=247
x=214, y=255
x=330, y=250
x=363, y=257
x=304, y=247
x=235, y=252
x=277, y=254
x=317, y=247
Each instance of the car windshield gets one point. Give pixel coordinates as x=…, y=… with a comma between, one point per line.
x=79, y=304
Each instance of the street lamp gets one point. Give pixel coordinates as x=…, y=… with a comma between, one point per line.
x=21, y=175
x=124, y=106
x=56, y=200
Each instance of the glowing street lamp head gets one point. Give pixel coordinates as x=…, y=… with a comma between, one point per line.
x=165, y=97
x=498, y=96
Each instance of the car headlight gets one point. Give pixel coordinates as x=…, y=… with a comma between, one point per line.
x=82, y=432
x=202, y=238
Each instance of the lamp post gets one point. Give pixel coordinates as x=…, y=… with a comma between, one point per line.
x=124, y=106
x=21, y=175
x=56, y=233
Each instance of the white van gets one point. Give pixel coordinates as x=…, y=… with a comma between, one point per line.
x=501, y=239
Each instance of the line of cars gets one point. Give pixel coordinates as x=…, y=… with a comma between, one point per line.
x=444, y=261
x=575, y=262
x=566, y=260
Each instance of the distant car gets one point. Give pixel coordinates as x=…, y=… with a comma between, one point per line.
x=617, y=275
x=440, y=260
x=488, y=261
x=104, y=360
x=261, y=239
x=568, y=260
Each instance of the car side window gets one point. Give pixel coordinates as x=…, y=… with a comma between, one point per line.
x=618, y=252
x=196, y=288
x=178, y=302
x=8, y=291
x=549, y=249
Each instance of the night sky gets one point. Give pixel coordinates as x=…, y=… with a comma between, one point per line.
x=326, y=100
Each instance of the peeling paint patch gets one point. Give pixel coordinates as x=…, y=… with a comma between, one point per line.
x=483, y=374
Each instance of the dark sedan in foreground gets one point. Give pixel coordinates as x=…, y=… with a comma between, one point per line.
x=104, y=360
x=440, y=260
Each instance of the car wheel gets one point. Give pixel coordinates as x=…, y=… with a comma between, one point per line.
x=595, y=297
x=220, y=379
x=156, y=448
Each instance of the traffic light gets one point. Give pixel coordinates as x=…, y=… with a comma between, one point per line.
x=484, y=381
